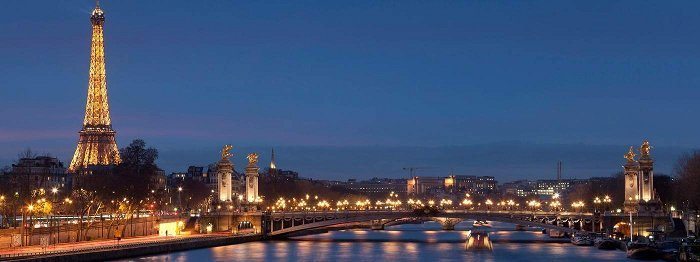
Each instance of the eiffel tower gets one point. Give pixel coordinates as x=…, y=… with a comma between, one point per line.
x=96, y=145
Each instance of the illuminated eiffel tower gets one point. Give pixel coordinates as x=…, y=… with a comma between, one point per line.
x=96, y=146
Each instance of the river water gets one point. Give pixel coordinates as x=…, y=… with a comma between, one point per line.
x=424, y=242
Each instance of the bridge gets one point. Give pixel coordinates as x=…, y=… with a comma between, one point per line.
x=279, y=224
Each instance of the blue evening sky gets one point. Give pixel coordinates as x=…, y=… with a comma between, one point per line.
x=189, y=76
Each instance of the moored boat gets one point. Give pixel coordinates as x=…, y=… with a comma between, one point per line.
x=553, y=233
x=689, y=251
x=668, y=250
x=641, y=251
x=581, y=240
x=606, y=243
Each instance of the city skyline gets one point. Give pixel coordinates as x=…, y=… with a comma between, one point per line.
x=453, y=90
x=363, y=131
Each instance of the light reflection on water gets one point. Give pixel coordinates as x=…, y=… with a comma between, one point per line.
x=401, y=243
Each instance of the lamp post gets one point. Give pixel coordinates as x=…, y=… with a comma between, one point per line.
x=179, y=199
x=596, y=203
x=606, y=202
x=555, y=202
x=488, y=204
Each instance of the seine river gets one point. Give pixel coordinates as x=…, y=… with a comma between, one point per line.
x=425, y=242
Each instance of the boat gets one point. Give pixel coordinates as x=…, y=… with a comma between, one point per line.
x=641, y=251
x=479, y=241
x=689, y=251
x=581, y=240
x=553, y=233
x=668, y=250
x=606, y=243
x=480, y=223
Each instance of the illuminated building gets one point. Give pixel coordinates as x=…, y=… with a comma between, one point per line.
x=479, y=185
x=40, y=172
x=424, y=185
x=540, y=188
x=475, y=185
x=376, y=187
x=96, y=144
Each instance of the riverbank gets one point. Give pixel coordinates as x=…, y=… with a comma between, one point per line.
x=122, y=251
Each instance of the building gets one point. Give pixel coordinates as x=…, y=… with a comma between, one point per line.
x=544, y=188
x=40, y=172
x=452, y=184
x=474, y=185
x=520, y=188
x=159, y=181
x=424, y=185
x=375, y=187
x=97, y=146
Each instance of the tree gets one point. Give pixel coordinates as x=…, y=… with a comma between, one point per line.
x=195, y=194
x=687, y=172
x=27, y=153
x=84, y=203
x=134, y=177
x=132, y=186
x=665, y=188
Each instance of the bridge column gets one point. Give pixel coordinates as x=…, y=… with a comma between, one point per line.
x=377, y=224
x=448, y=223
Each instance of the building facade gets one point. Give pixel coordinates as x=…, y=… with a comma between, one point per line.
x=375, y=187
x=41, y=172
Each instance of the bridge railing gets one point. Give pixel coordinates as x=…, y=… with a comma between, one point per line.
x=453, y=211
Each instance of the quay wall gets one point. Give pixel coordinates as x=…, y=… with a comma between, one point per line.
x=144, y=250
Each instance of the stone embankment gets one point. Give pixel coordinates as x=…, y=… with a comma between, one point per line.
x=137, y=249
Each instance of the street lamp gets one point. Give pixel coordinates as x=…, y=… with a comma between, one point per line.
x=179, y=199
x=607, y=200
x=596, y=203
x=467, y=203
x=534, y=204
x=578, y=205
x=488, y=204
x=555, y=205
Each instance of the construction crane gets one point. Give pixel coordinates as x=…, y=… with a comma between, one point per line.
x=412, y=169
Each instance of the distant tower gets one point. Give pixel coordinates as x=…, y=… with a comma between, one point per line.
x=96, y=145
x=273, y=166
x=251, y=179
x=559, y=171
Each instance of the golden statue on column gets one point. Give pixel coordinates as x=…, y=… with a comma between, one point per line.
x=630, y=155
x=224, y=169
x=251, y=177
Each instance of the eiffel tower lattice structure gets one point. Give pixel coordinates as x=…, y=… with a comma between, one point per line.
x=96, y=145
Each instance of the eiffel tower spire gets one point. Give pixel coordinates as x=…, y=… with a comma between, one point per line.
x=96, y=145
x=272, y=160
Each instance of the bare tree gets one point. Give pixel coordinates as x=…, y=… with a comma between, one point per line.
x=687, y=171
x=27, y=153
